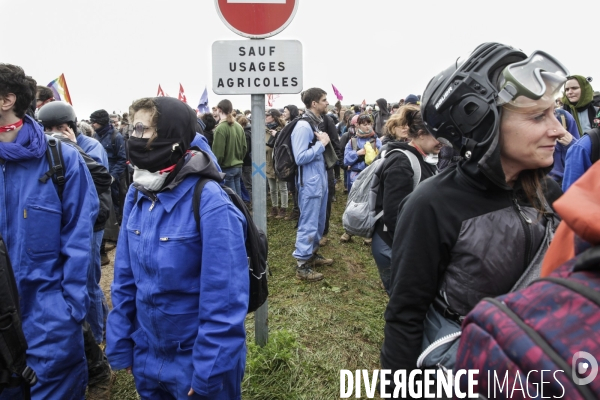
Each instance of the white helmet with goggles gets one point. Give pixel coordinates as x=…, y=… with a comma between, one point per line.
x=461, y=104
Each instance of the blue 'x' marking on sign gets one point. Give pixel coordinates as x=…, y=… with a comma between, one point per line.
x=259, y=170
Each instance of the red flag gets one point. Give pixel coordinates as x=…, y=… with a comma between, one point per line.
x=271, y=99
x=181, y=94
x=160, y=92
x=337, y=93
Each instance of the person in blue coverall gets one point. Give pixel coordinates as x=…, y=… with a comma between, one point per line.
x=48, y=241
x=180, y=296
x=308, y=145
x=59, y=116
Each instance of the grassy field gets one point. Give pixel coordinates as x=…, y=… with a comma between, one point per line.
x=314, y=329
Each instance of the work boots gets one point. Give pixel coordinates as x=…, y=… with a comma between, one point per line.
x=293, y=215
x=282, y=212
x=319, y=260
x=304, y=272
x=274, y=212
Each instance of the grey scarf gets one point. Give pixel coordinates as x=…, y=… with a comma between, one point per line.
x=329, y=155
x=314, y=119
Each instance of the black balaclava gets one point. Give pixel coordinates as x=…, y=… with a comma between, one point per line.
x=175, y=129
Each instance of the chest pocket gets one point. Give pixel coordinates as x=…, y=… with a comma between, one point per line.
x=42, y=224
x=178, y=262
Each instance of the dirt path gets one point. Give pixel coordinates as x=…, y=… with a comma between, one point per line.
x=107, y=277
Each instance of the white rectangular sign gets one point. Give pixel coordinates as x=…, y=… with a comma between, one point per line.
x=257, y=66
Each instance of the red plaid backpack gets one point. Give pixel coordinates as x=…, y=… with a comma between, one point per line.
x=540, y=342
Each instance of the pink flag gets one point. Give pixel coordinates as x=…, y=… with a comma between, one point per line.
x=337, y=93
x=160, y=92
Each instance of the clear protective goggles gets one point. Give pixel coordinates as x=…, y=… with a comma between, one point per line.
x=525, y=83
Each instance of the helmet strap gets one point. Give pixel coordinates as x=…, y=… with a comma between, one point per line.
x=468, y=147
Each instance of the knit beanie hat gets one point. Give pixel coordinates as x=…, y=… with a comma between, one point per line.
x=99, y=117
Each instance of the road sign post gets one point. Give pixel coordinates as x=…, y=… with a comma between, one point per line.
x=259, y=200
x=257, y=67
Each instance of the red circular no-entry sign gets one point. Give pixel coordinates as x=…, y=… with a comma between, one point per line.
x=256, y=18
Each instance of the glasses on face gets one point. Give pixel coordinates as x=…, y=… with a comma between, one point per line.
x=139, y=129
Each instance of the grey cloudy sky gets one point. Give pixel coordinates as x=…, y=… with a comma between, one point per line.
x=113, y=52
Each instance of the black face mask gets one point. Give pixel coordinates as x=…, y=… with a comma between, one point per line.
x=162, y=154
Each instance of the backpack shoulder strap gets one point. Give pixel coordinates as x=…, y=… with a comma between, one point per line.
x=415, y=165
x=196, y=199
x=354, y=142
x=563, y=120
x=594, y=135
x=56, y=162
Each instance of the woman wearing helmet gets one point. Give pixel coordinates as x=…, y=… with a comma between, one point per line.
x=472, y=231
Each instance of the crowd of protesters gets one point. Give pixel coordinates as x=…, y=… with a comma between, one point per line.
x=128, y=181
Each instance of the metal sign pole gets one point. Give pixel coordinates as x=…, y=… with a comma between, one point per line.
x=259, y=199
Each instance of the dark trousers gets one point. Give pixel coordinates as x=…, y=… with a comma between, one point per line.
x=98, y=367
x=330, y=194
x=292, y=188
x=115, y=194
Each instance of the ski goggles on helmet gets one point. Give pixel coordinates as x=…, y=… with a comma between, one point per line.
x=524, y=83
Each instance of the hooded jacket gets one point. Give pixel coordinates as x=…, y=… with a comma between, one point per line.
x=395, y=183
x=462, y=235
x=181, y=296
x=584, y=107
x=381, y=117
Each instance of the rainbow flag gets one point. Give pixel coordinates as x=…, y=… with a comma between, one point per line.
x=60, y=89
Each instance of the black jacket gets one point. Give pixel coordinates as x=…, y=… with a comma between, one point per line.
x=329, y=126
x=395, y=183
x=248, y=157
x=460, y=235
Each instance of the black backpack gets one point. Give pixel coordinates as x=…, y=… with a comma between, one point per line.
x=594, y=135
x=256, y=246
x=284, y=162
x=13, y=364
x=57, y=173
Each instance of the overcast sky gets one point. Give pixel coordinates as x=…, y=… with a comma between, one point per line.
x=113, y=52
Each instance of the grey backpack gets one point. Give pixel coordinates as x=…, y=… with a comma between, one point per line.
x=360, y=215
